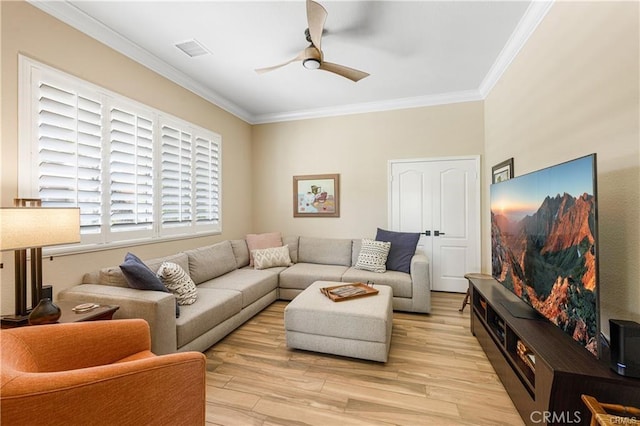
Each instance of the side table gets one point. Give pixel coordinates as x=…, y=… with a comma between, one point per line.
x=465, y=302
x=102, y=312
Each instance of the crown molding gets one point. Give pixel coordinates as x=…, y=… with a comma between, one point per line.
x=361, y=108
x=533, y=16
x=74, y=17
x=79, y=20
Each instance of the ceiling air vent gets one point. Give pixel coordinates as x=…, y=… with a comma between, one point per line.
x=192, y=48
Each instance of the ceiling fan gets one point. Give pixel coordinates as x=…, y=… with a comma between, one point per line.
x=312, y=57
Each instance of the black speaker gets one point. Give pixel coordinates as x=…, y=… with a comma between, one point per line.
x=625, y=347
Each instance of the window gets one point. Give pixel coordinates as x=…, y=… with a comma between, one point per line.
x=136, y=173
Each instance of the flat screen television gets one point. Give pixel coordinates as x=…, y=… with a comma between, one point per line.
x=544, y=245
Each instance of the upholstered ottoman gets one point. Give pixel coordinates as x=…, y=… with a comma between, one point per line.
x=358, y=328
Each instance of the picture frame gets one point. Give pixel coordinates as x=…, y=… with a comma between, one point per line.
x=502, y=171
x=316, y=195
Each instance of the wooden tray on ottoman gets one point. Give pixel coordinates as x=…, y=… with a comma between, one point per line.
x=348, y=291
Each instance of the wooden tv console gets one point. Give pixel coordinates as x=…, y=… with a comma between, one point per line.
x=549, y=392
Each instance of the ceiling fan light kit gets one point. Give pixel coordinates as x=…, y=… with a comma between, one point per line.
x=311, y=64
x=312, y=57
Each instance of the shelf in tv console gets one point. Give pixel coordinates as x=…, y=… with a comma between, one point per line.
x=543, y=369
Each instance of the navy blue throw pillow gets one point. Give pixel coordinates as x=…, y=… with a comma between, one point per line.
x=403, y=247
x=139, y=276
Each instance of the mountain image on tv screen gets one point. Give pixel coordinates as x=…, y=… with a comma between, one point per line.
x=543, y=244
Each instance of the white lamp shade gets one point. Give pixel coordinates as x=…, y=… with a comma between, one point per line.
x=27, y=227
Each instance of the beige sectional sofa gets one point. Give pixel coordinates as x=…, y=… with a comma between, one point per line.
x=230, y=291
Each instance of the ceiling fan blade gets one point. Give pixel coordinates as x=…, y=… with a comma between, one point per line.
x=316, y=16
x=300, y=57
x=346, y=72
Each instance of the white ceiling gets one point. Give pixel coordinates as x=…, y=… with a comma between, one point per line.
x=417, y=52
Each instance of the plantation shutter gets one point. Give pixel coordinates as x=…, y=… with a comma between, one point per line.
x=207, y=176
x=69, y=152
x=131, y=171
x=136, y=173
x=176, y=172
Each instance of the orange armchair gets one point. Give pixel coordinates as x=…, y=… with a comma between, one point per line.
x=100, y=372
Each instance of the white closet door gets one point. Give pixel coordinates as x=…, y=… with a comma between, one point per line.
x=441, y=199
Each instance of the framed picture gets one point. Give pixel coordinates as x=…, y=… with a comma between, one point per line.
x=502, y=171
x=316, y=196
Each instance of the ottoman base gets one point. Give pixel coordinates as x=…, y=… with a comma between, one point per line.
x=361, y=349
x=358, y=328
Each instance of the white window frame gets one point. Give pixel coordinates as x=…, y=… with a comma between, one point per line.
x=30, y=72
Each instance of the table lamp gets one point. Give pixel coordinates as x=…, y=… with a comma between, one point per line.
x=27, y=227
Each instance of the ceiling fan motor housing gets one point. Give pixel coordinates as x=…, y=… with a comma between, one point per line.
x=312, y=58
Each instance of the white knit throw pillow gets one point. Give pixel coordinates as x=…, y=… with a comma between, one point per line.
x=178, y=282
x=271, y=257
x=373, y=255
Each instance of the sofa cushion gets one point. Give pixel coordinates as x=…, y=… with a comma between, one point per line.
x=179, y=259
x=292, y=242
x=271, y=257
x=206, y=263
x=403, y=247
x=178, y=282
x=262, y=241
x=373, y=255
x=212, y=308
x=112, y=276
x=355, y=251
x=399, y=282
x=301, y=275
x=241, y=252
x=251, y=283
x=324, y=251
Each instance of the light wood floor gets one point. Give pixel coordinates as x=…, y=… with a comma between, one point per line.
x=437, y=374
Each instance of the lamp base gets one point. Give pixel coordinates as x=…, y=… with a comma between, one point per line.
x=9, y=321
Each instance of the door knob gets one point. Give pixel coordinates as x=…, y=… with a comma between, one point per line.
x=438, y=233
x=427, y=233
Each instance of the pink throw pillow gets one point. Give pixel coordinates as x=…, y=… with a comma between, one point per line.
x=262, y=241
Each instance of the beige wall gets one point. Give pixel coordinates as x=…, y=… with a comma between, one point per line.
x=27, y=30
x=574, y=90
x=358, y=147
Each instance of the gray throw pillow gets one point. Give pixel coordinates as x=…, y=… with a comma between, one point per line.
x=403, y=247
x=139, y=276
